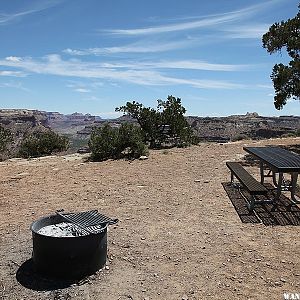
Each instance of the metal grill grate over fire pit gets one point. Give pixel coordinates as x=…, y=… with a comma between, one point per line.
x=70, y=245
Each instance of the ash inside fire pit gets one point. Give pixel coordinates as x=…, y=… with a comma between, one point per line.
x=63, y=229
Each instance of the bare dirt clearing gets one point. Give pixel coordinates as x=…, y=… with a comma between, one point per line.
x=179, y=236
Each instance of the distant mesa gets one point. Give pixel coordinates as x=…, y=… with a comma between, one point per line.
x=250, y=125
x=253, y=114
x=20, y=116
x=56, y=116
x=215, y=129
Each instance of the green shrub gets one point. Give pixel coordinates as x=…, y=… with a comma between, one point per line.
x=108, y=142
x=5, y=138
x=297, y=133
x=130, y=140
x=43, y=143
x=289, y=134
x=76, y=142
x=103, y=143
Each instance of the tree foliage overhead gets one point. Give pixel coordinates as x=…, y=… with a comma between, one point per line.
x=286, y=78
x=166, y=121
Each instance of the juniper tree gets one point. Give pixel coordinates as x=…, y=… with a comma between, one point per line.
x=153, y=121
x=286, y=78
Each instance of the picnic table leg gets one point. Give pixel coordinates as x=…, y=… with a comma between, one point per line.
x=279, y=185
x=294, y=177
x=262, y=174
x=231, y=178
x=274, y=179
x=252, y=203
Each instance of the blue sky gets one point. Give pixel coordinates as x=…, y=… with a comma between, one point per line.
x=91, y=56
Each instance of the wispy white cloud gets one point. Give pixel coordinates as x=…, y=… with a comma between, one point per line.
x=6, y=18
x=251, y=31
x=202, y=22
x=175, y=64
x=180, y=64
x=132, y=48
x=83, y=87
x=265, y=86
x=82, y=90
x=78, y=87
x=203, y=84
x=12, y=73
x=93, y=98
x=14, y=85
x=13, y=58
x=54, y=65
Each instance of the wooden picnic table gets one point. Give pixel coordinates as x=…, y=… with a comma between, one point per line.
x=276, y=160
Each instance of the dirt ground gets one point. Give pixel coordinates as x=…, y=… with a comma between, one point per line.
x=179, y=235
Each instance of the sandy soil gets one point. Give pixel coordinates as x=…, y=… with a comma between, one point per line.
x=179, y=235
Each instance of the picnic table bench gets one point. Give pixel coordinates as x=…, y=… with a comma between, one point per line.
x=248, y=182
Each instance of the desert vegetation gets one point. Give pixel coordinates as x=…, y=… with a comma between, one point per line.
x=113, y=142
x=5, y=138
x=166, y=123
x=42, y=143
x=155, y=128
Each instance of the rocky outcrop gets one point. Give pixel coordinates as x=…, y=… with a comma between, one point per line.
x=250, y=125
x=21, y=122
x=10, y=117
